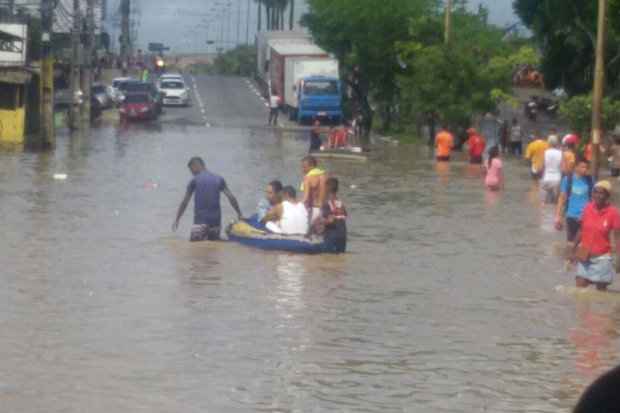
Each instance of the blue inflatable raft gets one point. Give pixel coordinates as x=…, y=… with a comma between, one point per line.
x=246, y=234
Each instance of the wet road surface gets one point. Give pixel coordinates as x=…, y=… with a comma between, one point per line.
x=450, y=299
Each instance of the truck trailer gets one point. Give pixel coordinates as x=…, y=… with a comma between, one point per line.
x=268, y=39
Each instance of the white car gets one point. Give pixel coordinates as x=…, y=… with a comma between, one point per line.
x=174, y=92
x=117, y=94
x=170, y=76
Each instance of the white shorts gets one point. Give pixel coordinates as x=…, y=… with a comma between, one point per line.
x=316, y=214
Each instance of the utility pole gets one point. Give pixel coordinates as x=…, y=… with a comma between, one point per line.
x=125, y=12
x=47, y=75
x=238, y=22
x=89, y=47
x=448, y=22
x=599, y=85
x=229, y=27
x=76, y=47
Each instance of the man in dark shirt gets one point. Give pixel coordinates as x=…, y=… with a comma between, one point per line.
x=206, y=187
x=315, y=137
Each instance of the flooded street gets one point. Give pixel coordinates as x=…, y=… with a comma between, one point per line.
x=451, y=299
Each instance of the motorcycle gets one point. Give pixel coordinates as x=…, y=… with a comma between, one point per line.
x=531, y=110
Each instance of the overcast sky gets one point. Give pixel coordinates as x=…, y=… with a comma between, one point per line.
x=186, y=25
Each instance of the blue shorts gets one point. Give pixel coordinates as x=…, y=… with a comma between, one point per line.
x=598, y=270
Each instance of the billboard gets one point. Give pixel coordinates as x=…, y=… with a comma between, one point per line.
x=63, y=15
x=13, y=43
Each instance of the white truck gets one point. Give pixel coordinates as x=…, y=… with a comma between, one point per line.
x=264, y=43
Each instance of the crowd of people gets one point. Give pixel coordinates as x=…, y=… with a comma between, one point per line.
x=319, y=212
x=562, y=168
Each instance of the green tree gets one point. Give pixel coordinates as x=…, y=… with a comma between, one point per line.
x=565, y=31
x=363, y=35
x=577, y=111
x=453, y=82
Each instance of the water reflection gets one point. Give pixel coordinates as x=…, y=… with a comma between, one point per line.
x=594, y=339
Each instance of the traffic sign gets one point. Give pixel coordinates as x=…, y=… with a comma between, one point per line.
x=157, y=47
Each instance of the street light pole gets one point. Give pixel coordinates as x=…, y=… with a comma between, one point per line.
x=238, y=22
x=47, y=75
x=448, y=22
x=247, y=23
x=598, y=90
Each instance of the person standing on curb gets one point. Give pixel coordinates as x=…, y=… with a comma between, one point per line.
x=274, y=108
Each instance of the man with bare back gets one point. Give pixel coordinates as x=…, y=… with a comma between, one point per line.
x=314, y=187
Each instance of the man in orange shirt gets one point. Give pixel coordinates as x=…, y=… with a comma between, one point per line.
x=444, y=142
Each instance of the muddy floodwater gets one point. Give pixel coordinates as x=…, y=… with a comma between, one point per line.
x=451, y=299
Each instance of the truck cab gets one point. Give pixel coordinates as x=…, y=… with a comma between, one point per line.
x=319, y=97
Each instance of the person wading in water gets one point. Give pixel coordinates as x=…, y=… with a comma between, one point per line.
x=206, y=188
x=600, y=225
x=314, y=187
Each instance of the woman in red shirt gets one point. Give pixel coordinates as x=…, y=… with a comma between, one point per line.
x=600, y=224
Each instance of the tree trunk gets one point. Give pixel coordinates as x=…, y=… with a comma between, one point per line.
x=386, y=117
x=432, y=129
x=268, y=14
x=291, y=17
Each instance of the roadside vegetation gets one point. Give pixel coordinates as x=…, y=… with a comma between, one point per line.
x=401, y=74
x=240, y=61
x=399, y=71
x=565, y=32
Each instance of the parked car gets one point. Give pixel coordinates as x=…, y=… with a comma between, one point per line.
x=103, y=94
x=117, y=93
x=174, y=92
x=138, y=106
x=136, y=86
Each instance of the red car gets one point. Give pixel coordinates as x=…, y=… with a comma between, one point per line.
x=138, y=106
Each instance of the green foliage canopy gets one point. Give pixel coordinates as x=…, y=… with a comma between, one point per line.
x=565, y=31
x=468, y=76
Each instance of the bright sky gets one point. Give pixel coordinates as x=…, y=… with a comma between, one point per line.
x=500, y=11
x=185, y=25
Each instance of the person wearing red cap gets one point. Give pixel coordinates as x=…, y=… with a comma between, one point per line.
x=477, y=145
x=571, y=139
x=569, y=157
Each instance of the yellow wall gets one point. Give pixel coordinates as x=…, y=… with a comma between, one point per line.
x=12, y=124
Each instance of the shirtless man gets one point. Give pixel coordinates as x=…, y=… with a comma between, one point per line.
x=314, y=187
